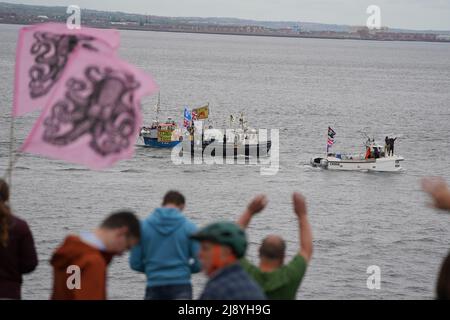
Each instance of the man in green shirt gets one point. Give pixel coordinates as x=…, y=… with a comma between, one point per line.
x=279, y=281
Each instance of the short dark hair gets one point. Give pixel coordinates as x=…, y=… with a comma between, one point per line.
x=174, y=197
x=443, y=283
x=272, y=250
x=123, y=219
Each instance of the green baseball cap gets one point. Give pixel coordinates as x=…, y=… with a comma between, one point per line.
x=224, y=233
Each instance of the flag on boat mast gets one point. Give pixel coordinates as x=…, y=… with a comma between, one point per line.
x=330, y=142
x=202, y=112
x=187, y=117
x=194, y=115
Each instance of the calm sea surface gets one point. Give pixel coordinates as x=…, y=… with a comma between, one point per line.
x=299, y=86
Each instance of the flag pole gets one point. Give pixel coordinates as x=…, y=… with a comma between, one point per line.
x=12, y=156
x=11, y=148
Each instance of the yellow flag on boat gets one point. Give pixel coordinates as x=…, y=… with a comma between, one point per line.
x=202, y=112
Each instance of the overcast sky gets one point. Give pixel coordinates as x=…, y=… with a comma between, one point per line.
x=410, y=14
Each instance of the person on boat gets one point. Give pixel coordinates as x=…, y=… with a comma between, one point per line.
x=166, y=254
x=222, y=244
x=92, y=252
x=368, y=153
x=17, y=251
x=386, y=146
x=376, y=152
x=391, y=145
x=279, y=280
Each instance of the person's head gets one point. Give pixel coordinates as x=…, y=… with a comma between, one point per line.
x=387, y=138
x=120, y=232
x=174, y=199
x=5, y=213
x=221, y=244
x=273, y=250
x=443, y=284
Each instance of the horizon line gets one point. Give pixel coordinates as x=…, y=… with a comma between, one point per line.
x=223, y=17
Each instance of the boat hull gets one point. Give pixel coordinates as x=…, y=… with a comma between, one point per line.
x=154, y=143
x=230, y=150
x=384, y=164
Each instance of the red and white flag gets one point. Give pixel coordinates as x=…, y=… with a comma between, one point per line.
x=194, y=115
x=93, y=116
x=330, y=142
x=43, y=52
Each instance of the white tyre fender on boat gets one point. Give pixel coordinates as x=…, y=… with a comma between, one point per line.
x=324, y=163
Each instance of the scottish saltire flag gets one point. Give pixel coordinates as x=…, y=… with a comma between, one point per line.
x=43, y=53
x=93, y=116
x=187, y=117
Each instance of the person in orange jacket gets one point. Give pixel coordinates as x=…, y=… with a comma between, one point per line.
x=368, y=153
x=80, y=263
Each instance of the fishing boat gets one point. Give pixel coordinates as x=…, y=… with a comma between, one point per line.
x=161, y=134
x=374, y=159
x=243, y=141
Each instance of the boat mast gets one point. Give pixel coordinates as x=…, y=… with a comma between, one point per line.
x=158, y=106
x=241, y=121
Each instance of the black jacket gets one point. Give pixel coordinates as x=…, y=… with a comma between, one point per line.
x=17, y=258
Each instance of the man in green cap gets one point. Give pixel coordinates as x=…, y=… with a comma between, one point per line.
x=222, y=244
x=278, y=280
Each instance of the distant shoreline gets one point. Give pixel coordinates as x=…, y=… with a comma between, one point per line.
x=251, y=34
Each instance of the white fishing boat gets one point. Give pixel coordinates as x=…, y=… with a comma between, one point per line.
x=374, y=159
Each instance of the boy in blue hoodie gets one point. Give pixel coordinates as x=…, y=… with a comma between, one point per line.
x=165, y=253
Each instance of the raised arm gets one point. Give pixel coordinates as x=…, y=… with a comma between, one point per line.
x=256, y=205
x=306, y=238
x=438, y=189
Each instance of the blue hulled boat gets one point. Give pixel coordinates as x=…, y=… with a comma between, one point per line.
x=161, y=135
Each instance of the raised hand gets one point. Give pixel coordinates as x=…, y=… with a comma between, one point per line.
x=299, y=204
x=257, y=204
x=438, y=189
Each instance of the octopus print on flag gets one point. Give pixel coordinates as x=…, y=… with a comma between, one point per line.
x=51, y=52
x=43, y=53
x=94, y=118
x=101, y=106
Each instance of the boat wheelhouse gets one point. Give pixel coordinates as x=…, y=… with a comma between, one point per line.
x=161, y=135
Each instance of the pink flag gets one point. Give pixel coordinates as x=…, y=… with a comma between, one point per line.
x=42, y=53
x=93, y=117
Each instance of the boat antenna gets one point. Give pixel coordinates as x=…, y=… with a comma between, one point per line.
x=158, y=106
